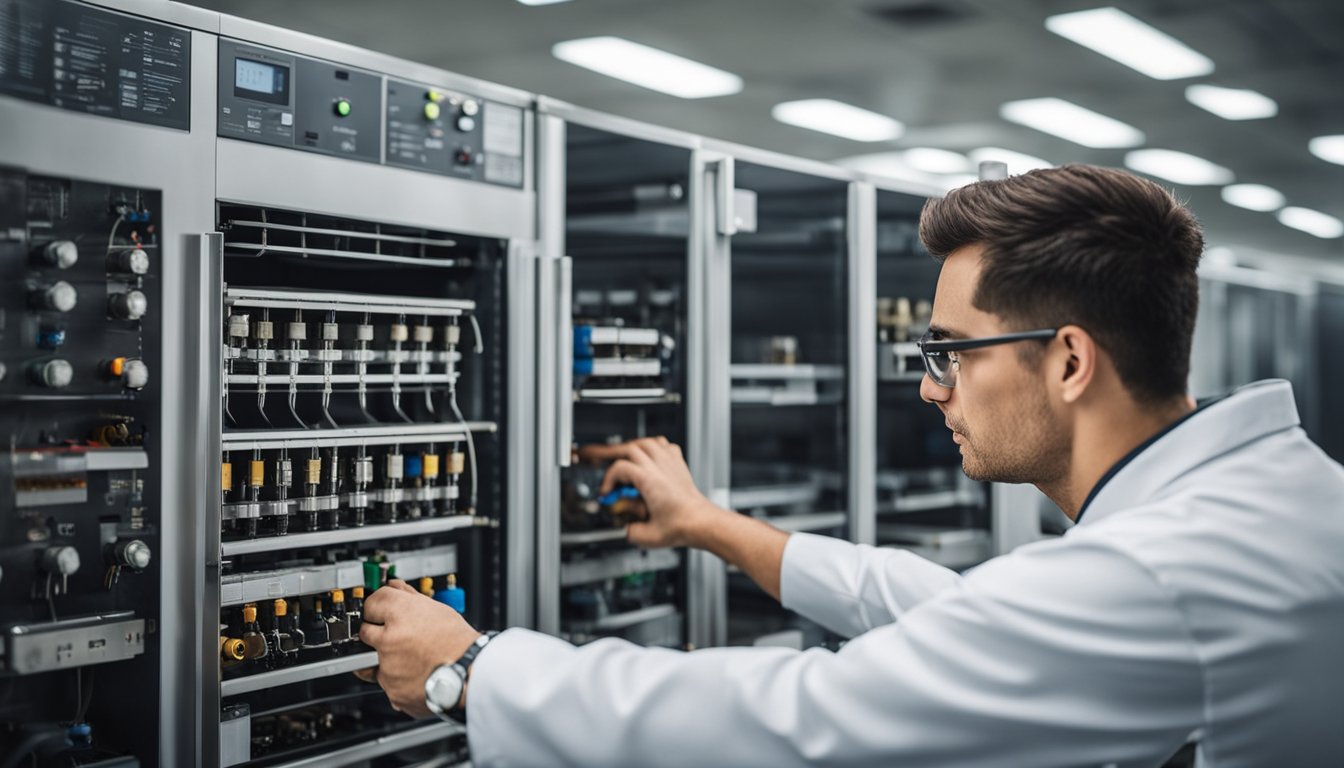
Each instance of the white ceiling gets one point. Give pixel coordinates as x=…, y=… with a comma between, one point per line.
x=942, y=67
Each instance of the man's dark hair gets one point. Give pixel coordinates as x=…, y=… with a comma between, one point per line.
x=1099, y=248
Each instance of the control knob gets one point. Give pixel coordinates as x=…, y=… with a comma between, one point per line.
x=130, y=305
x=131, y=260
x=55, y=373
x=61, y=254
x=59, y=296
x=60, y=561
x=131, y=554
x=132, y=372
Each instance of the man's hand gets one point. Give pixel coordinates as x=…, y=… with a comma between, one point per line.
x=416, y=635
x=678, y=512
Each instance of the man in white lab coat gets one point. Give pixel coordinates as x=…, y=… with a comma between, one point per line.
x=1200, y=597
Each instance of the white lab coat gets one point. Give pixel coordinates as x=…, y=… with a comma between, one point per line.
x=1202, y=593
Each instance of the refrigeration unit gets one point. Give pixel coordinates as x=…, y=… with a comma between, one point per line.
x=617, y=361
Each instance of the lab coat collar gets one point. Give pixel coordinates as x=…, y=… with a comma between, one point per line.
x=1248, y=414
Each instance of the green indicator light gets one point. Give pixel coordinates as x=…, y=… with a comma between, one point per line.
x=432, y=111
x=342, y=108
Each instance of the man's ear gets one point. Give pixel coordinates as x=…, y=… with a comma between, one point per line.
x=1080, y=362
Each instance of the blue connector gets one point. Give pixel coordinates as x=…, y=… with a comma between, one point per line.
x=583, y=342
x=50, y=339
x=616, y=494
x=414, y=465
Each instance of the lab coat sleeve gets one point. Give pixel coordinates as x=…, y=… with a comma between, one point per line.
x=852, y=588
x=1065, y=657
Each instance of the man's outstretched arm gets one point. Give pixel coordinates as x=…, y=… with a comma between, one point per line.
x=847, y=588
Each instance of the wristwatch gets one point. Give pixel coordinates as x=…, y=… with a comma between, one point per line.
x=443, y=687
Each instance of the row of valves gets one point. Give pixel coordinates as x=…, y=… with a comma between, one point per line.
x=330, y=624
x=414, y=485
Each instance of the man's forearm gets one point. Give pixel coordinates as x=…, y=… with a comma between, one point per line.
x=752, y=545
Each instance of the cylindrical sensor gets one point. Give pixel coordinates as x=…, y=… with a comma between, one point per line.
x=257, y=475
x=457, y=463
x=314, y=471
x=395, y=466
x=430, y=464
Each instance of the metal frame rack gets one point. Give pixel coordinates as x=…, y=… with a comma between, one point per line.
x=793, y=385
x=618, y=277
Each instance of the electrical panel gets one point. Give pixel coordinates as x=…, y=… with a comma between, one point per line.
x=80, y=507
x=99, y=62
x=288, y=100
x=361, y=406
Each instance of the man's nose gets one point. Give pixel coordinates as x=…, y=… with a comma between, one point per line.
x=932, y=393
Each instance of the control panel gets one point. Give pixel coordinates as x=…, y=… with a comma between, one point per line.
x=85, y=59
x=287, y=100
x=452, y=133
x=79, y=478
x=279, y=98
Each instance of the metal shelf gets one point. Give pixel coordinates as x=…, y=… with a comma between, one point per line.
x=381, y=434
x=346, y=302
x=627, y=396
x=343, y=378
x=351, y=234
x=775, y=495
x=778, y=372
x=617, y=621
x=348, y=535
x=256, y=586
x=274, y=679
x=591, y=537
x=616, y=565
x=664, y=222
x=926, y=501
x=419, y=735
x=818, y=521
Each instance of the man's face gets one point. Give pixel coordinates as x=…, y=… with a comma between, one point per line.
x=999, y=411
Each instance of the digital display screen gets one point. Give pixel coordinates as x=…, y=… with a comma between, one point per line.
x=259, y=80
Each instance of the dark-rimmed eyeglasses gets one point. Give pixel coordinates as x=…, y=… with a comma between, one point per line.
x=940, y=355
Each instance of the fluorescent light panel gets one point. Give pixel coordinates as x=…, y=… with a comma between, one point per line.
x=1322, y=225
x=838, y=119
x=647, y=67
x=1177, y=167
x=1328, y=148
x=1119, y=36
x=931, y=160
x=1253, y=197
x=1067, y=120
x=1232, y=103
x=1017, y=162
x=542, y=2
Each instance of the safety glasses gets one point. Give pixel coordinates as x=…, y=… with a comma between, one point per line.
x=940, y=355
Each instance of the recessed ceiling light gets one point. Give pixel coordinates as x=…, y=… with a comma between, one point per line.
x=930, y=160
x=1322, y=225
x=1017, y=162
x=1255, y=197
x=1117, y=35
x=1177, y=167
x=647, y=67
x=542, y=2
x=838, y=119
x=1328, y=148
x=1232, y=103
x=1067, y=120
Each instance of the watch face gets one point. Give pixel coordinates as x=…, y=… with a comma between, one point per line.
x=443, y=689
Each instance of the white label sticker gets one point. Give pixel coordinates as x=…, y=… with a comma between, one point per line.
x=503, y=130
